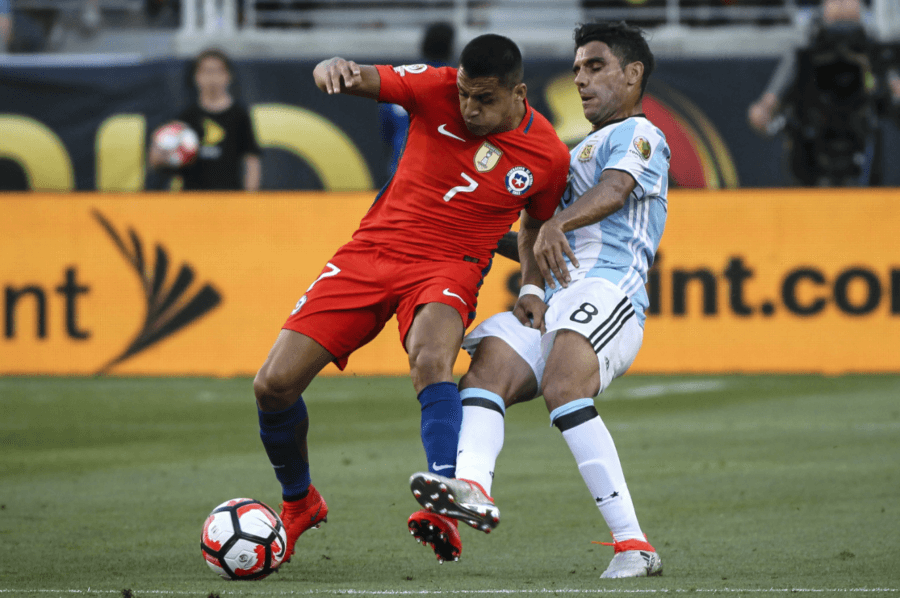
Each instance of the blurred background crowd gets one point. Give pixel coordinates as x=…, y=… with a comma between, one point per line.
x=756, y=92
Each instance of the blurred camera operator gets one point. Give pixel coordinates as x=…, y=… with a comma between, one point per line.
x=827, y=96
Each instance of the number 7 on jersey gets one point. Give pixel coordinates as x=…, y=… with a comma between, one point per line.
x=473, y=184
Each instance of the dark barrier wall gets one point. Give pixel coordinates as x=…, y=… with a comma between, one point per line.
x=85, y=127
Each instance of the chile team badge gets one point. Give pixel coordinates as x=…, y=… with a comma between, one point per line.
x=519, y=180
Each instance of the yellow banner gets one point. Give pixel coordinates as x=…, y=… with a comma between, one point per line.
x=155, y=284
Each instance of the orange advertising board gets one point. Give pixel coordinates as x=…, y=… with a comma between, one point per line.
x=160, y=284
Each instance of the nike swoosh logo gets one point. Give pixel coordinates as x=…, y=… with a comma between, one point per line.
x=449, y=294
x=312, y=518
x=443, y=131
x=437, y=467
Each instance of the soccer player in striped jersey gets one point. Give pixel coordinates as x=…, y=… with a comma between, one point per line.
x=477, y=155
x=570, y=338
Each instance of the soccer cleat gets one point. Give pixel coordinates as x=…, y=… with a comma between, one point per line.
x=439, y=532
x=456, y=498
x=301, y=515
x=632, y=558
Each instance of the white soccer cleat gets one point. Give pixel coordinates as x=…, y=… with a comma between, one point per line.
x=460, y=499
x=633, y=558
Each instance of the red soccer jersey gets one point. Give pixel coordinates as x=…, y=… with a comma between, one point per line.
x=454, y=195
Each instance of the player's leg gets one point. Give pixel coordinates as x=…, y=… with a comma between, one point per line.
x=432, y=343
x=342, y=310
x=498, y=377
x=595, y=337
x=293, y=362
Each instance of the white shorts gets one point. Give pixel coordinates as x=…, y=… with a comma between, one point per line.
x=593, y=307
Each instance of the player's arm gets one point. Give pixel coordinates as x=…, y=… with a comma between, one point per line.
x=551, y=246
x=156, y=157
x=252, y=172
x=508, y=246
x=530, y=307
x=336, y=75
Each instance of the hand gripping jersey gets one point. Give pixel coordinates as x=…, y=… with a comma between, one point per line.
x=454, y=195
x=621, y=247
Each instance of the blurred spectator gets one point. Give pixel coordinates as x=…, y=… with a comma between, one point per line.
x=91, y=19
x=5, y=26
x=437, y=50
x=20, y=31
x=164, y=13
x=229, y=156
x=826, y=95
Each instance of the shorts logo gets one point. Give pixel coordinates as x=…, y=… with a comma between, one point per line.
x=487, y=157
x=587, y=152
x=519, y=180
x=450, y=294
x=643, y=147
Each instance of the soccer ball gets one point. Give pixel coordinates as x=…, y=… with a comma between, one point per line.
x=243, y=539
x=178, y=141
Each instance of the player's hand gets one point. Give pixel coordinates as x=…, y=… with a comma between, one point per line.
x=338, y=72
x=530, y=310
x=894, y=85
x=159, y=158
x=550, y=249
x=761, y=113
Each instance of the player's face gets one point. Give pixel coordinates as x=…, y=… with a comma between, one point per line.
x=488, y=106
x=607, y=91
x=212, y=76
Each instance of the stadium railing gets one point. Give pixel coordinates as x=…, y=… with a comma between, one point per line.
x=542, y=27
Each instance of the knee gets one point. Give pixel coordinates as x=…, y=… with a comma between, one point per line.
x=502, y=388
x=273, y=392
x=429, y=366
x=559, y=392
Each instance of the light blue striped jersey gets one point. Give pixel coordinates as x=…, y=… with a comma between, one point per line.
x=621, y=247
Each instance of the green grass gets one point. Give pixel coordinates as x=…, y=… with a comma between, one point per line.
x=747, y=485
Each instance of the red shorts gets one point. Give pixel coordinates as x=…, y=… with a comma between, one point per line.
x=363, y=285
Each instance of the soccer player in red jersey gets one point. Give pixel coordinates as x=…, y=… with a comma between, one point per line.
x=477, y=154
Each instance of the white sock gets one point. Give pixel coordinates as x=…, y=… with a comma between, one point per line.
x=480, y=437
x=598, y=461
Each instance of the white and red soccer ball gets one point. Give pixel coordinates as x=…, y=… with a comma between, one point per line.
x=178, y=142
x=243, y=539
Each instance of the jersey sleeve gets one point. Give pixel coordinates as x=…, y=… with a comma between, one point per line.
x=543, y=204
x=409, y=85
x=641, y=151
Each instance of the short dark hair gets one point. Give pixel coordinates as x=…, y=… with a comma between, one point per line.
x=211, y=53
x=493, y=55
x=626, y=42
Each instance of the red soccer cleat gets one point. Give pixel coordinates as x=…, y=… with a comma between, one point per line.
x=301, y=515
x=439, y=532
x=463, y=500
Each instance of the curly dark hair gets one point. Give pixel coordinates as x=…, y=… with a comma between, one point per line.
x=626, y=42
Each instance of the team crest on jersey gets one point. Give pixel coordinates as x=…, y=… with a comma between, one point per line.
x=587, y=152
x=412, y=69
x=519, y=180
x=487, y=157
x=643, y=147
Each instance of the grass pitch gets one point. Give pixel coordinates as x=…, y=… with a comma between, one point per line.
x=747, y=485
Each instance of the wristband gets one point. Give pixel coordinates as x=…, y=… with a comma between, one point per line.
x=531, y=289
